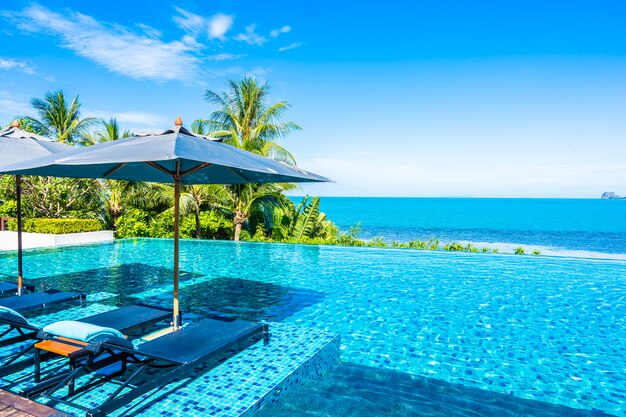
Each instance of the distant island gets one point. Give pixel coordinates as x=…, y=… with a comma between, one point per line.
x=609, y=195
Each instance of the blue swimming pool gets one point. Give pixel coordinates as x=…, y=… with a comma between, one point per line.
x=536, y=328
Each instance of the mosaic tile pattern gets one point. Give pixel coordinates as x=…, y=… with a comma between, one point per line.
x=548, y=329
x=228, y=388
x=349, y=390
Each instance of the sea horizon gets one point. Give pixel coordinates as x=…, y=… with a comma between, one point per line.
x=573, y=227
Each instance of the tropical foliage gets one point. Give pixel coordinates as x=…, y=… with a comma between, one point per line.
x=58, y=119
x=244, y=119
x=302, y=222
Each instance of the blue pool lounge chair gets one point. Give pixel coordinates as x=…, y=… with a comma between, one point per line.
x=176, y=353
x=37, y=300
x=10, y=288
x=123, y=319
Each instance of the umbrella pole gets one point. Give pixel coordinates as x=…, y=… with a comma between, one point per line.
x=18, y=186
x=176, y=322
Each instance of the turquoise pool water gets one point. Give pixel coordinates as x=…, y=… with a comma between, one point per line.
x=536, y=328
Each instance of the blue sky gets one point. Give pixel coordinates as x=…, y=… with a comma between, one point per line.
x=446, y=98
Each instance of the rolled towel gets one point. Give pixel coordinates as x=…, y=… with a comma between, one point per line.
x=78, y=330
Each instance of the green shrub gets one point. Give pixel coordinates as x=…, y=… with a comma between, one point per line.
x=453, y=246
x=519, y=250
x=213, y=225
x=133, y=223
x=57, y=226
x=245, y=235
x=378, y=242
x=430, y=244
x=8, y=209
x=536, y=252
x=470, y=248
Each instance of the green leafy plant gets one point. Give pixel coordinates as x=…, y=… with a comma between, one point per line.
x=8, y=209
x=536, y=252
x=519, y=250
x=57, y=226
x=377, y=242
x=453, y=246
x=302, y=222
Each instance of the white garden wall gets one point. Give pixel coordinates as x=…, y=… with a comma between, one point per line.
x=8, y=240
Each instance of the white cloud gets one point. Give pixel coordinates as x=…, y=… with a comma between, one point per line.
x=189, y=22
x=276, y=32
x=224, y=56
x=219, y=25
x=251, y=37
x=114, y=47
x=149, y=30
x=214, y=27
x=11, y=106
x=15, y=64
x=291, y=46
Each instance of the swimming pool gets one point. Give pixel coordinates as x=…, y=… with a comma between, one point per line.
x=537, y=328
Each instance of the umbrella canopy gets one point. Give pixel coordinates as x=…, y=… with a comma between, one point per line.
x=193, y=158
x=177, y=156
x=27, y=146
x=17, y=145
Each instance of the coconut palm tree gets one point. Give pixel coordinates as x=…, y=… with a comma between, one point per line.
x=58, y=118
x=244, y=119
x=109, y=131
x=116, y=193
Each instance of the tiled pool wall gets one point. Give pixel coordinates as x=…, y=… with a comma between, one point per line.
x=325, y=359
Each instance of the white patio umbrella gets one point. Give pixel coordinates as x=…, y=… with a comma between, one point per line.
x=17, y=145
x=175, y=156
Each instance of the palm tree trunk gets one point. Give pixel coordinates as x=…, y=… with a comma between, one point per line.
x=239, y=220
x=198, y=231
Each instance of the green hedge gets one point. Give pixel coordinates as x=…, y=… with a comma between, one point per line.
x=57, y=226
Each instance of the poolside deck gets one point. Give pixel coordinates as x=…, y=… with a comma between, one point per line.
x=12, y=405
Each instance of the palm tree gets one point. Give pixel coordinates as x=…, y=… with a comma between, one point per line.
x=109, y=131
x=245, y=120
x=194, y=197
x=115, y=193
x=58, y=119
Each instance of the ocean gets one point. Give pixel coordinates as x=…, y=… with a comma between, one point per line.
x=574, y=227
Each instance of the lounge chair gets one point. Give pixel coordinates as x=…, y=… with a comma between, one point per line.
x=10, y=288
x=37, y=300
x=178, y=352
x=123, y=319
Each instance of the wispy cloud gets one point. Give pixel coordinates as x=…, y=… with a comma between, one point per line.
x=119, y=49
x=15, y=64
x=149, y=30
x=224, y=56
x=251, y=37
x=291, y=46
x=11, y=106
x=214, y=27
x=277, y=32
